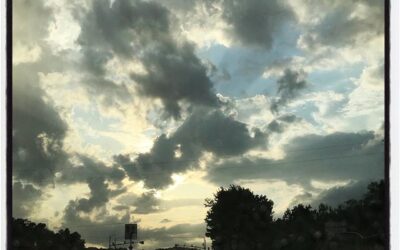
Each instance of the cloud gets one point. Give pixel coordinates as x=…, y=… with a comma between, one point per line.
x=87, y=168
x=372, y=77
x=148, y=203
x=103, y=225
x=180, y=233
x=366, y=102
x=141, y=30
x=344, y=23
x=119, y=27
x=217, y=133
x=289, y=86
x=174, y=73
x=38, y=130
x=338, y=195
x=25, y=198
x=333, y=157
x=203, y=131
x=303, y=198
x=107, y=32
x=98, y=229
x=333, y=196
x=98, y=176
x=253, y=23
x=280, y=123
x=99, y=195
x=31, y=21
x=154, y=168
x=133, y=51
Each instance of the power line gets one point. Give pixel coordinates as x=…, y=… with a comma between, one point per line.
x=195, y=160
x=311, y=160
x=158, y=171
x=289, y=151
x=296, y=150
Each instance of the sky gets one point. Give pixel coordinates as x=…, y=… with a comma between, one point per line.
x=136, y=111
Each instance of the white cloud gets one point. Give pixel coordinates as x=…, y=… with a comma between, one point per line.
x=25, y=53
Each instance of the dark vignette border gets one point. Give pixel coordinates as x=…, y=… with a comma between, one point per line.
x=387, y=123
x=9, y=124
x=9, y=119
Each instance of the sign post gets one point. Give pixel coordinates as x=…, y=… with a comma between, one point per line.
x=130, y=233
x=131, y=237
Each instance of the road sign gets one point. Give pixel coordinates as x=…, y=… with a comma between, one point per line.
x=130, y=231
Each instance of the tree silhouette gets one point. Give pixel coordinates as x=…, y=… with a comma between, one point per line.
x=300, y=228
x=28, y=235
x=238, y=219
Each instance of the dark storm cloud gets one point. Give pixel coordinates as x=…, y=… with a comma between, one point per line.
x=25, y=197
x=90, y=168
x=99, y=195
x=337, y=195
x=98, y=176
x=119, y=27
x=142, y=30
x=38, y=130
x=254, y=23
x=154, y=168
x=334, y=196
x=303, y=198
x=289, y=86
x=174, y=73
x=146, y=203
x=281, y=123
x=203, y=131
x=38, y=135
x=339, y=26
x=215, y=132
x=108, y=31
x=334, y=157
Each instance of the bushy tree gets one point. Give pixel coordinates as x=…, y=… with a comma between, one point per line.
x=238, y=219
x=300, y=228
x=28, y=235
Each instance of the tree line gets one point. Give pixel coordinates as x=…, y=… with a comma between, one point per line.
x=29, y=235
x=238, y=219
